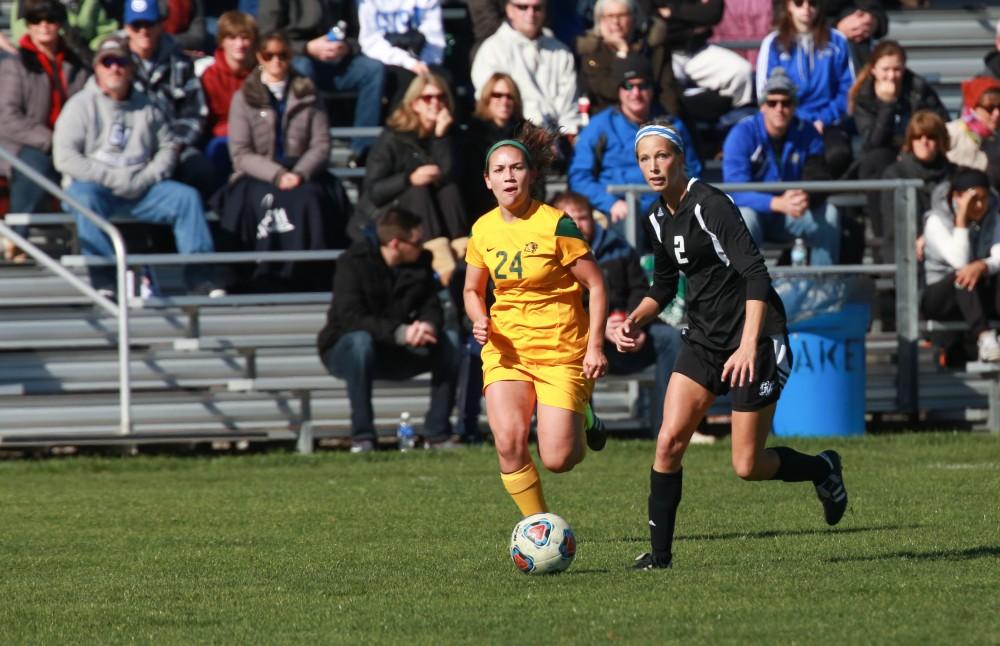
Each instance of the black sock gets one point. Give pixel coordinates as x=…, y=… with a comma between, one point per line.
x=799, y=467
x=664, y=497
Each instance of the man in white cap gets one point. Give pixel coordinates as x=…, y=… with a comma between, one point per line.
x=166, y=74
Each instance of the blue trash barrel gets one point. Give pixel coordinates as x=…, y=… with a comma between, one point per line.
x=825, y=394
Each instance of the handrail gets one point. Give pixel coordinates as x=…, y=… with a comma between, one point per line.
x=905, y=269
x=119, y=309
x=216, y=257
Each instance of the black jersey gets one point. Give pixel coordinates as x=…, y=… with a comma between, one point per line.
x=707, y=240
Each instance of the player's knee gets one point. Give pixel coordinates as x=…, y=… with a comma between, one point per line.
x=669, y=447
x=510, y=442
x=561, y=463
x=745, y=467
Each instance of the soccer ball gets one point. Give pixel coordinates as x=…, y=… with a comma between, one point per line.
x=542, y=544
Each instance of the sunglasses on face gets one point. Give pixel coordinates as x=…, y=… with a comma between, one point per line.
x=114, y=61
x=628, y=86
x=502, y=95
x=139, y=25
x=537, y=8
x=778, y=103
x=37, y=20
x=991, y=108
x=428, y=98
x=812, y=3
x=281, y=56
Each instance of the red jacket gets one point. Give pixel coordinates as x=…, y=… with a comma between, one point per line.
x=220, y=83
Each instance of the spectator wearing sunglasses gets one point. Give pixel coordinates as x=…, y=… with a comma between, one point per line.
x=332, y=61
x=605, y=150
x=540, y=64
x=34, y=86
x=87, y=23
x=279, y=141
x=974, y=134
x=166, y=74
x=413, y=166
x=775, y=145
x=116, y=149
x=498, y=115
x=817, y=59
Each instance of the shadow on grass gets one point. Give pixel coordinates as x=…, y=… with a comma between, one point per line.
x=770, y=533
x=983, y=551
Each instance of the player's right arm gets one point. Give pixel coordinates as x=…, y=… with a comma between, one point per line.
x=474, y=291
x=474, y=296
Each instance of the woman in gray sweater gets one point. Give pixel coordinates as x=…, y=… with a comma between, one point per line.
x=961, y=247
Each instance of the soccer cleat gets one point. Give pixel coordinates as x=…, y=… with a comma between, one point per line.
x=831, y=490
x=647, y=561
x=597, y=433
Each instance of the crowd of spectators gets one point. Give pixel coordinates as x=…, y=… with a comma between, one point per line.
x=193, y=105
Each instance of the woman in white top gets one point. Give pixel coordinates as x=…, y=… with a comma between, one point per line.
x=961, y=246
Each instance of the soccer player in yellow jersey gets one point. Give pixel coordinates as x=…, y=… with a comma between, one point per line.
x=540, y=347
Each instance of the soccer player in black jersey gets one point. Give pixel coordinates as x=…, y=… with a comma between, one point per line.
x=736, y=341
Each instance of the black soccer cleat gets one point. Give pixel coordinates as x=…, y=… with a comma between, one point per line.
x=648, y=561
x=831, y=491
x=597, y=434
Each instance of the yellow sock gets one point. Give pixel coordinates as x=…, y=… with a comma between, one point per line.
x=525, y=487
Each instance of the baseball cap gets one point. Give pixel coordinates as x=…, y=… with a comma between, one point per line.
x=112, y=45
x=141, y=11
x=631, y=67
x=779, y=83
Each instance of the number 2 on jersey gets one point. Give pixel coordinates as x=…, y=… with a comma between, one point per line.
x=679, y=250
x=514, y=268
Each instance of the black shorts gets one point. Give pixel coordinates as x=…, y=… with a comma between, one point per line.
x=773, y=365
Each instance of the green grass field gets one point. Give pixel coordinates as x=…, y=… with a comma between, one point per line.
x=394, y=548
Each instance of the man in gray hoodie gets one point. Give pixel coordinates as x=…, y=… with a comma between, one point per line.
x=116, y=149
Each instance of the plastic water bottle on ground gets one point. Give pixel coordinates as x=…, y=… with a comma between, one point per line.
x=800, y=253
x=405, y=435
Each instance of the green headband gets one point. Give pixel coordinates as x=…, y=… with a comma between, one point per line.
x=506, y=142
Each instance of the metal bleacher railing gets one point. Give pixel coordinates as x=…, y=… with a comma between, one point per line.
x=119, y=309
x=905, y=270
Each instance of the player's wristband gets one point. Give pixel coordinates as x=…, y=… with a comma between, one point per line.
x=630, y=319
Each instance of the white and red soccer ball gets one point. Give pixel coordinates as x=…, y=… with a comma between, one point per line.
x=542, y=544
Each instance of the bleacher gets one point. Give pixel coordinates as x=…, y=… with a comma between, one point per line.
x=244, y=368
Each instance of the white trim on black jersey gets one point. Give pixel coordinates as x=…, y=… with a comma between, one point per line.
x=719, y=251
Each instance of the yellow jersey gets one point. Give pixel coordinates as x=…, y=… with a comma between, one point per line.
x=538, y=315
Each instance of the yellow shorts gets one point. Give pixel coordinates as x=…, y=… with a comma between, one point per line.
x=562, y=386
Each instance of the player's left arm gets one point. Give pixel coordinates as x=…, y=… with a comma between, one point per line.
x=588, y=273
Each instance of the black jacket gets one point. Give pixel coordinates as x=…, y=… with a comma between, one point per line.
x=392, y=158
x=909, y=167
x=369, y=295
x=992, y=62
x=883, y=125
x=690, y=24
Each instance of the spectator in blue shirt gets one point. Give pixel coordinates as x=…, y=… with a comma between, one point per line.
x=817, y=59
x=775, y=145
x=605, y=149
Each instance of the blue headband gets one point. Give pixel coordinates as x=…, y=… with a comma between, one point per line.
x=666, y=132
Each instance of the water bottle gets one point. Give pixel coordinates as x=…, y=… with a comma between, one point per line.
x=337, y=32
x=800, y=253
x=404, y=433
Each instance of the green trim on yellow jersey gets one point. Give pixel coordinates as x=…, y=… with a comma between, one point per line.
x=567, y=227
